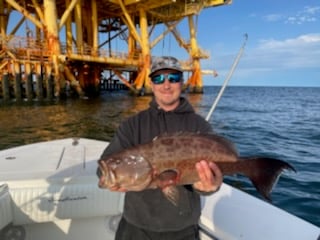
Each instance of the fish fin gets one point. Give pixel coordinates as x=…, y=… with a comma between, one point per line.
x=167, y=182
x=167, y=178
x=172, y=194
x=265, y=173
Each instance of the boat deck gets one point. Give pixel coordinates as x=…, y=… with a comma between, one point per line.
x=49, y=191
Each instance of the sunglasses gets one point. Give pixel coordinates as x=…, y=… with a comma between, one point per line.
x=172, y=77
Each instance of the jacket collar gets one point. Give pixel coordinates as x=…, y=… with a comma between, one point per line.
x=183, y=107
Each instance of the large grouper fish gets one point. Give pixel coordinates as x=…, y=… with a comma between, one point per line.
x=170, y=159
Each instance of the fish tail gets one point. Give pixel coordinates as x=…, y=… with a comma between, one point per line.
x=264, y=173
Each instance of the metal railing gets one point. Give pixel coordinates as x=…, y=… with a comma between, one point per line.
x=26, y=48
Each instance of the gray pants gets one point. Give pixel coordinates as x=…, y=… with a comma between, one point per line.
x=127, y=231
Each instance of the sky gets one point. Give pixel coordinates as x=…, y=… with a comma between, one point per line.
x=283, y=47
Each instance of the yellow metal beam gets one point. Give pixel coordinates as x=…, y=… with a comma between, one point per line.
x=48, y=17
x=3, y=65
x=50, y=14
x=79, y=29
x=170, y=28
x=154, y=4
x=193, y=38
x=95, y=27
x=130, y=23
x=11, y=54
x=68, y=31
x=196, y=77
x=125, y=81
x=18, y=25
x=2, y=21
x=145, y=49
x=38, y=10
x=23, y=11
x=125, y=2
x=115, y=61
x=214, y=3
x=179, y=39
x=67, y=13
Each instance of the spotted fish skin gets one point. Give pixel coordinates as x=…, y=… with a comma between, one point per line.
x=170, y=160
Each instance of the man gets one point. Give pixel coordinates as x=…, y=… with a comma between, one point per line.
x=148, y=214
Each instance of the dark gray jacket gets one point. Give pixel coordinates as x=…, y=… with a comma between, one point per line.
x=149, y=209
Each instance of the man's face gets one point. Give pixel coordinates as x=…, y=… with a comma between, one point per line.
x=167, y=94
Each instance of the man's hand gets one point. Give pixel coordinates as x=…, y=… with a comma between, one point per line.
x=210, y=177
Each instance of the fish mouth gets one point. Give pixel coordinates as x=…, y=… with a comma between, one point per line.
x=101, y=176
x=100, y=172
x=106, y=176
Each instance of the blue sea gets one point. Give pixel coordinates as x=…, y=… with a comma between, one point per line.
x=280, y=122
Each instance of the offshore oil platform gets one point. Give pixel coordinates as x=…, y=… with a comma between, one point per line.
x=70, y=44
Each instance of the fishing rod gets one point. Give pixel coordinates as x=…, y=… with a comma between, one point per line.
x=235, y=63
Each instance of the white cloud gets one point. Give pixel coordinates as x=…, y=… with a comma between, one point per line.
x=308, y=14
x=271, y=55
x=300, y=52
x=291, y=43
x=273, y=17
x=312, y=10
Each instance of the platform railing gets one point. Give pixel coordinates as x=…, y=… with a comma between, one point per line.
x=31, y=48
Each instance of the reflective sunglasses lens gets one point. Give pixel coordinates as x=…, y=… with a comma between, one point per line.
x=174, y=77
x=158, y=79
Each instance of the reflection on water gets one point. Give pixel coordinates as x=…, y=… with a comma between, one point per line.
x=93, y=118
x=96, y=118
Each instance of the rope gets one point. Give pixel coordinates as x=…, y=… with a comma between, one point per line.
x=215, y=103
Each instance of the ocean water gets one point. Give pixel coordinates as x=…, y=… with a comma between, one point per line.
x=280, y=122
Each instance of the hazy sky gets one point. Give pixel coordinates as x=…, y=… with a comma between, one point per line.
x=283, y=47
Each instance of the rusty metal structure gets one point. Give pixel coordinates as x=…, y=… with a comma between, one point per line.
x=70, y=43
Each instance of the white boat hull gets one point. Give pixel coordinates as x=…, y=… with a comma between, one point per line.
x=233, y=214
x=49, y=191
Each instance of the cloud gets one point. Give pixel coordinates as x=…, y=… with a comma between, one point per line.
x=290, y=43
x=308, y=14
x=270, y=55
x=312, y=10
x=273, y=17
x=300, y=52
